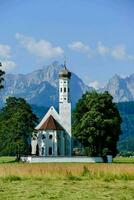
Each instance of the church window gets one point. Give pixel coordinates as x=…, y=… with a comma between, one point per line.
x=50, y=151
x=64, y=81
x=43, y=137
x=42, y=151
x=50, y=136
x=64, y=98
x=64, y=89
x=61, y=89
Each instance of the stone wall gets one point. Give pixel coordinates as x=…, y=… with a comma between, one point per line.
x=76, y=159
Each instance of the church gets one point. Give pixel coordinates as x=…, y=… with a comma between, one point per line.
x=52, y=135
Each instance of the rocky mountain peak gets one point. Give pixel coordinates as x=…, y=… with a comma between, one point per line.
x=40, y=87
x=120, y=88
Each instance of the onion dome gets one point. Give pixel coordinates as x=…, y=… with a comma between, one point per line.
x=64, y=72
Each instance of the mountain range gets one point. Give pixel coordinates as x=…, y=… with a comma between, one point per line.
x=40, y=87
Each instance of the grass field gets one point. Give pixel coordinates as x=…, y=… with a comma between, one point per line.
x=19, y=181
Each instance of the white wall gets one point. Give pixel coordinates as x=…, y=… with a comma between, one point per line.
x=81, y=159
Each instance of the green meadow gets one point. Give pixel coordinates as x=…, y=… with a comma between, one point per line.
x=21, y=181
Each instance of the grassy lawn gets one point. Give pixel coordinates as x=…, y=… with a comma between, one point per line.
x=21, y=181
x=7, y=159
x=124, y=160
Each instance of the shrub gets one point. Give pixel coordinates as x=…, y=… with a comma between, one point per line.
x=12, y=178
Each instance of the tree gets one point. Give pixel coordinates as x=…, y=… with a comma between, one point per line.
x=97, y=123
x=1, y=77
x=17, y=122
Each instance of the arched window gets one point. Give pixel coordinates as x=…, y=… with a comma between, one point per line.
x=64, y=89
x=50, y=151
x=50, y=137
x=43, y=137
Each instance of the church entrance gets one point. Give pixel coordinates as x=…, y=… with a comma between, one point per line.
x=50, y=151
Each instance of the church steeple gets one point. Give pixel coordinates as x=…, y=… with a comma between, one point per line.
x=64, y=86
x=65, y=104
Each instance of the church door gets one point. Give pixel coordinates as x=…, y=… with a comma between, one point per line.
x=50, y=151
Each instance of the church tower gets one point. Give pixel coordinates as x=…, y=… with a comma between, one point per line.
x=65, y=104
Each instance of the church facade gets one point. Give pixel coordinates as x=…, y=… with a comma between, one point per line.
x=52, y=135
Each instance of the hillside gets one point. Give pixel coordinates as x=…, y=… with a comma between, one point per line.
x=126, y=110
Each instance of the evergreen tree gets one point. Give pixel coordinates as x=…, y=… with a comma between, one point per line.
x=1, y=77
x=17, y=122
x=97, y=123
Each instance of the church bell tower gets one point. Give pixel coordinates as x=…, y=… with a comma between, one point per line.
x=65, y=104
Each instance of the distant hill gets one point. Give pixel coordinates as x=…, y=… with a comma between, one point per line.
x=41, y=86
x=126, y=110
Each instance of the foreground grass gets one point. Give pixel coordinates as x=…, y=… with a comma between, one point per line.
x=44, y=189
x=21, y=181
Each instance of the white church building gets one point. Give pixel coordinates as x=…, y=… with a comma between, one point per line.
x=52, y=135
x=52, y=139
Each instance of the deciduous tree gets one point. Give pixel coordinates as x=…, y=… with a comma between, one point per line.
x=97, y=123
x=17, y=122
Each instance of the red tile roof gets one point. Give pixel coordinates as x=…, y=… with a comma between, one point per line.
x=51, y=124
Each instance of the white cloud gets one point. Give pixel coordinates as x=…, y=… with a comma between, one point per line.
x=5, y=58
x=42, y=49
x=131, y=57
x=102, y=50
x=119, y=52
x=94, y=84
x=8, y=65
x=81, y=47
x=5, y=51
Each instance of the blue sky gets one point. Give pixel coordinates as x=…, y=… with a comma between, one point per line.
x=95, y=36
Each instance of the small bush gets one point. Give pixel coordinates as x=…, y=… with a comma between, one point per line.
x=85, y=171
x=71, y=177
x=109, y=178
x=12, y=178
